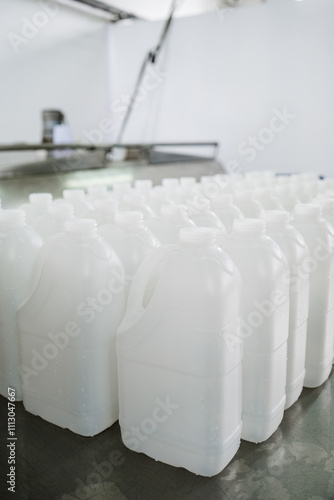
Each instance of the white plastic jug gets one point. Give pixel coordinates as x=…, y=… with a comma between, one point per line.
x=19, y=247
x=199, y=211
x=319, y=236
x=53, y=221
x=131, y=240
x=97, y=192
x=105, y=210
x=293, y=246
x=286, y=196
x=265, y=195
x=37, y=206
x=171, y=185
x=119, y=189
x=180, y=384
x=137, y=202
x=158, y=196
x=264, y=325
x=247, y=203
x=82, y=207
x=143, y=186
x=226, y=210
x=167, y=226
x=67, y=330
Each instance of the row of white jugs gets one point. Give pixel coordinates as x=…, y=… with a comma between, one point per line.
x=229, y=304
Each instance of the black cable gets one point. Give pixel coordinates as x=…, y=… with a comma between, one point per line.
x=150, y=58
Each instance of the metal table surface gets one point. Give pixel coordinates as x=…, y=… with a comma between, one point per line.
x=296, y=463
x=15, y=190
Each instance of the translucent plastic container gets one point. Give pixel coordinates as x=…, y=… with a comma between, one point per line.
x=226, y=210
x=19, y=247
x=264, y=326
x=143, y=186
x=131, y=240
x=105, y=211
x=168, y=225
x=67, y=331
x=247, y=203
x=37, y=206
x=82, y=207
x=265, y=195
x=137, y=202
x=319, y=236
x=179, y=381
x=53, y=221
x=119, y=189
x=97, y=192
x=286, y=196
x=171, y=185
x=158, y=196
x=199, y=211
x=293, y=246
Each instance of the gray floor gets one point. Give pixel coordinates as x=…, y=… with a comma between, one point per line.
x=297, y=462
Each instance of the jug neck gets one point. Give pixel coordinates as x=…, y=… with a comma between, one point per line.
x=74, y=195
x=40, y=199
x=307, y=212
x=195, y=238
x=11, y=218
x=249, y=228
x=276, y=219
x=129, y=219
x=80, y=228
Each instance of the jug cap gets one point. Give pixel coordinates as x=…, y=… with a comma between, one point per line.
x=40, y=198
x=171, y=210
x=187, y=181
x=134, y=199
x=307, y=209
x=280, y=216
x=203, y=203
x=74, y=195
x=82, y=227
x=12, y=217
x=170, y=182
x=106, y=206
x=324, y=202
x=195, y=235
x=206, y=178
x=159, y=193
x=143, y=185
x=244, y=194
x=63, y=210
x=128, y=219
x=249, y=225
x=223, y=200
x=122, y=187
x=98, y=191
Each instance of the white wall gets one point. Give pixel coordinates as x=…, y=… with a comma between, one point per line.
x=63, y=65
x=227, y=73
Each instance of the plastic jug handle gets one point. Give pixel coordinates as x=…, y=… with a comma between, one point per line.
x=138, y=286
